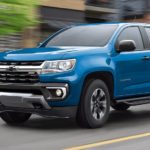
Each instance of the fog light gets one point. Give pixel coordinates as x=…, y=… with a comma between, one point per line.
x=59, y=92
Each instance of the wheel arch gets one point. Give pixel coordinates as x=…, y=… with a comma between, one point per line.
x=107, y=77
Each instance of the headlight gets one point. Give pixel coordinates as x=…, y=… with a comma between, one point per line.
x=58, y=66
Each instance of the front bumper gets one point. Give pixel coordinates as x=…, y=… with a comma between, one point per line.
x=34, y=98
x=47, y=90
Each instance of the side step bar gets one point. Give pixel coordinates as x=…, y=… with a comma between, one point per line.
x=135, y=101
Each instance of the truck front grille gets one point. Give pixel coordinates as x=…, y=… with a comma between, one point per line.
x=19, y=77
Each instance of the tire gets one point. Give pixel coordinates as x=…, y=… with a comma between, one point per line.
x=120, y=106
x=13, y=118
x=94, y=107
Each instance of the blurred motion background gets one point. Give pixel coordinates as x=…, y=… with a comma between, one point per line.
x=23, y=23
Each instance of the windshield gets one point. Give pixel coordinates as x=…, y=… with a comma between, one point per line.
x=91, y=35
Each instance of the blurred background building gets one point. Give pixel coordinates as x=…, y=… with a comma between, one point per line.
x=57, y=14
x=53, y=15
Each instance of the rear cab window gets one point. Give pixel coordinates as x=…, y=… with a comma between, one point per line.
x=147, y=29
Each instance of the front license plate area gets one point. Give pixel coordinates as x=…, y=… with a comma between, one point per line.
x=14, y=101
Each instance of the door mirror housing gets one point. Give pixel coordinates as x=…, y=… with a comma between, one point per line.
x=126, y=45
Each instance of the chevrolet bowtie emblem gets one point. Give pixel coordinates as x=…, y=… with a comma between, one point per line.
x=11, y=68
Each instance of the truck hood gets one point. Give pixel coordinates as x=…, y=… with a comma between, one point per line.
x=39, y=54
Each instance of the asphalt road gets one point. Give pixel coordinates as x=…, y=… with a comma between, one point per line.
x=57, y=134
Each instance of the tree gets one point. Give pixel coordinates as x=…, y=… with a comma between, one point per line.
x=15, y=15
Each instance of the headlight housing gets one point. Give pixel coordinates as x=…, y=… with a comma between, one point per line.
x=58, y=66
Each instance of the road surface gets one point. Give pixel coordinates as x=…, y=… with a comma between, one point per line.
x=123, y=131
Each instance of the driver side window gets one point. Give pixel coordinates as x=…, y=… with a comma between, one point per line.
x=132, y=33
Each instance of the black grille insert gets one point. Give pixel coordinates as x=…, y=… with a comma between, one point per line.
x=19, y=77
x=22, y=63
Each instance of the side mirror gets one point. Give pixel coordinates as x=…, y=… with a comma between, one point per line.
x=126, y=45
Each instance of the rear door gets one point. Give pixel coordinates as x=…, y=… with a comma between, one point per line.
x=133, y=68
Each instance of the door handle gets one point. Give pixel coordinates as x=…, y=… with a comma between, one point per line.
x=146, y=58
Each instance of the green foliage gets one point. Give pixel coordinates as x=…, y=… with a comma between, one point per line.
x=15, y=15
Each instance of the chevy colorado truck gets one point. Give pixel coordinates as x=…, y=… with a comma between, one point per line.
x=80, y=71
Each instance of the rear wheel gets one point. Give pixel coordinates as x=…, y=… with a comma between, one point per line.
x=94, y=107
x=15, y=117
x=121, y=106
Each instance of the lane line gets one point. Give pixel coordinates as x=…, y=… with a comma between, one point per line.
x=107, y=142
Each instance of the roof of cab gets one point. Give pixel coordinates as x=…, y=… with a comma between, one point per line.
x=116, y=23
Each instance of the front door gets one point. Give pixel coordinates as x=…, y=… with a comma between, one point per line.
x=133, y=68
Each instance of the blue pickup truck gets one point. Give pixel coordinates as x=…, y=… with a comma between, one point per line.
x=80, y=71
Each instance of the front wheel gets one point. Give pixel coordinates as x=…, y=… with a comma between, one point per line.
x=94, y=107
x=15, y=117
